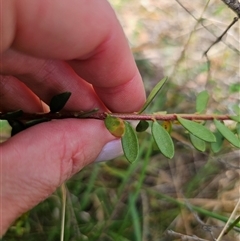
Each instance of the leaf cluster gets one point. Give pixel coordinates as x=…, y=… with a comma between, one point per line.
x=199, y=133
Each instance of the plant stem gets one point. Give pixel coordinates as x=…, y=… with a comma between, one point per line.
x=169, y=117
x=102, y=115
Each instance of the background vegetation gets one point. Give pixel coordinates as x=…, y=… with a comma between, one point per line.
x=192, y=194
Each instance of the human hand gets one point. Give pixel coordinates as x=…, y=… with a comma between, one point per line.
x=48, y=47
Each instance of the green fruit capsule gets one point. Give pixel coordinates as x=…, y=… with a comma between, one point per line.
x=115, y=126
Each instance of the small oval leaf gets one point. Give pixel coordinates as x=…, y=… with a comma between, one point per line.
x=217, y=146
x=130, y=143
x=202, y=101
x=227, y=133
x=115, y=125
x=59, y=101
x=197, y=129
x=142, y=126
x=153, y=93
x=199, y=144
x=163, y=140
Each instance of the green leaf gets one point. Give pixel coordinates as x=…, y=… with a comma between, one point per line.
x=142, y=126
x=201, y=102
x=59, y=101
x=199, y=144
x=130, y=143
x=163, y=140
x=217, y=146
x=115, y=125
x=227, y=133
x=153, y=93
x=197, y=129
x=235, y=118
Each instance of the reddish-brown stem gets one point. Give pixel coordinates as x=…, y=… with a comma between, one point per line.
x=169, y=117
x=102, y=116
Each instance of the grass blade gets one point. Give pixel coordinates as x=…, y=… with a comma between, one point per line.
x=135, y=218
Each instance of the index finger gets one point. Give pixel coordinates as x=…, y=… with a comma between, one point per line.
x=89, y=36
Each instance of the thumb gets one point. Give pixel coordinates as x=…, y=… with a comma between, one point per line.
x=36, y=161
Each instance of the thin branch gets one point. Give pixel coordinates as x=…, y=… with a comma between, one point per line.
x=170, y=117
x=221, y=36
x=102, y=115
x=228, y=222
x=200, y=21
x=234, y=5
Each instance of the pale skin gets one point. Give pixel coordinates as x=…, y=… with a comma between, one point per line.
x=48, y=47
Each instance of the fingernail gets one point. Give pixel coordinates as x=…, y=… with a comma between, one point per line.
x=110, y=151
